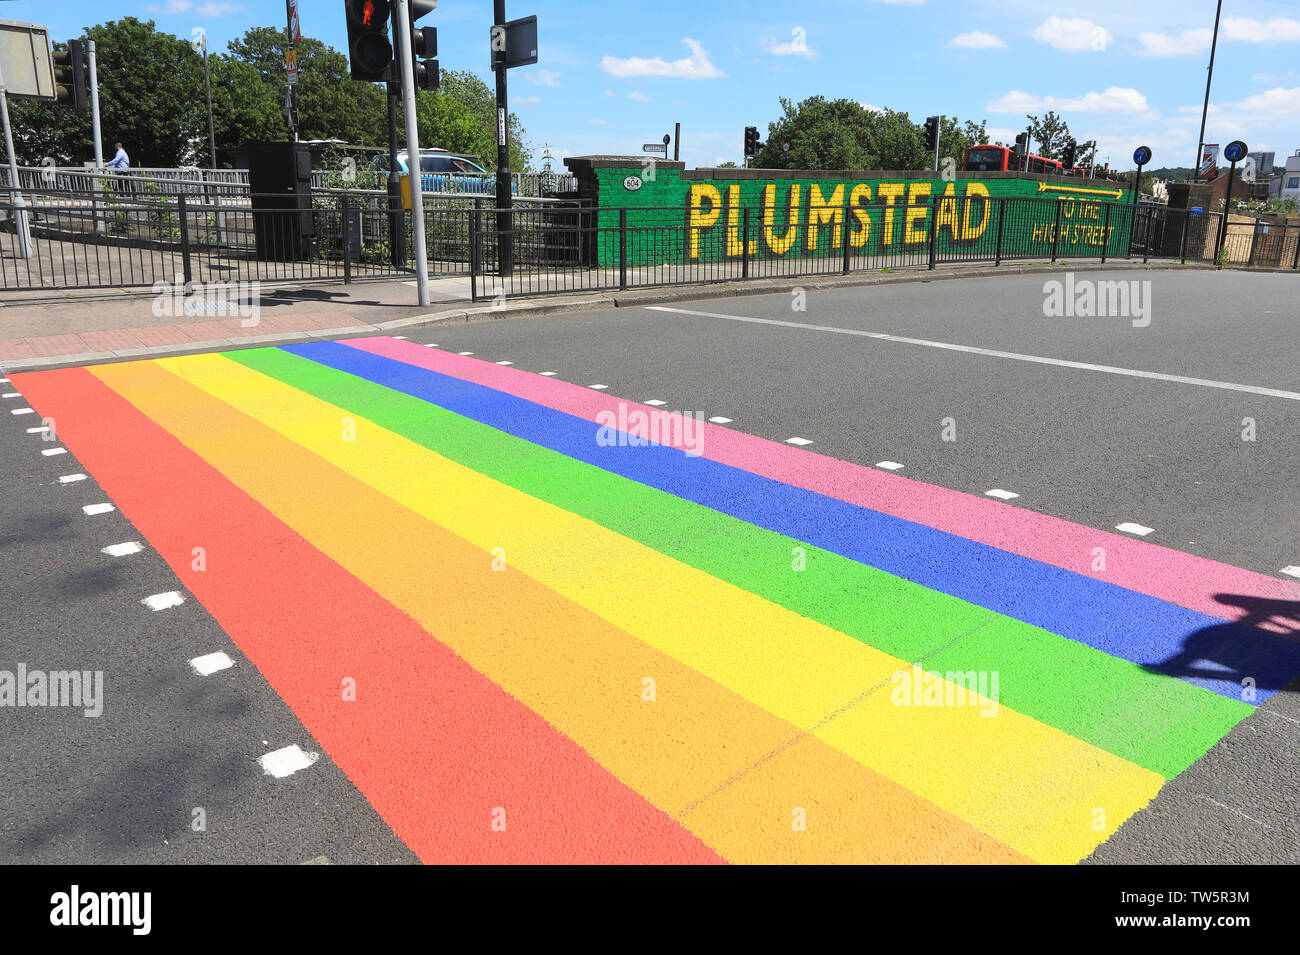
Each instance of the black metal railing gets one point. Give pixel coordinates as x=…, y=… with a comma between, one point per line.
x=117, y=236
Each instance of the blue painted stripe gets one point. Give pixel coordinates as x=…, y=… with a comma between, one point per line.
x=1133, y=626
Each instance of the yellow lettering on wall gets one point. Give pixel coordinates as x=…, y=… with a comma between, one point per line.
x=701, y=218
x=970, y=232
x=911, y=234
x=823, y=211
x=859, y=238
x=734, y=246
x=780, y=245
x=947, y=216
x=889, y=191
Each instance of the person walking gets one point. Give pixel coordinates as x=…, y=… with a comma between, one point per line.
x=122, y=163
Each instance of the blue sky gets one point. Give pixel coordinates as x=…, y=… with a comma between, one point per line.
x=614, y=75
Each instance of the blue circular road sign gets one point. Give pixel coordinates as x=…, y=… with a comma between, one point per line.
x=1142, y=155
x=667, y=139
x=1235, y=151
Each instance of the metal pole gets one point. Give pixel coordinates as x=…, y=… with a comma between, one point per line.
x=677, y=141
x=1227, y=207
x=396, y=223
x=20, y=212
x=505, y=241
x=95, y=131
x=1205, y=109
x=413, y=155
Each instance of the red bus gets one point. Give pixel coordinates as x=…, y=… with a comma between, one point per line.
x=988, y=158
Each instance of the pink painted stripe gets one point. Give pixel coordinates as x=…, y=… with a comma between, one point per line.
x=1170, y=575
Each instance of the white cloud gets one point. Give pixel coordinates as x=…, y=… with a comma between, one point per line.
x=1277, y=100
x=610, y=93
x=1189, y=41
x=1073, y=34
x=544, y=77
x=638, y=96
x=903, y=3
x=797, y=45
x=171, y=6
x=995, y=134
x=1277, y=30
x=871, y=109
x=529, y=99
x=694, y=67
x=1196, y=110
x=598, y=122
x=211, y=9
x=1114, y=99
x=977, y=40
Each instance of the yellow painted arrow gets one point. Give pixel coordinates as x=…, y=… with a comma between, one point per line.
x=1075, y=190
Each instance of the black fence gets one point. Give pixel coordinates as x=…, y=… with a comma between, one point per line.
x=617, y=249
x=122, y=236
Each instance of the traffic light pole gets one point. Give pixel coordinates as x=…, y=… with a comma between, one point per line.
x=505, y=241
x=406, y=70
x=94, y=129
x=20, y=212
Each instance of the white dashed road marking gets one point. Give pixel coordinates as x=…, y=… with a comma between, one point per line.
x=93, y=509
x=71, y=478
x=287, y=761
x=11, y=394
x=1292, y=571
x=548, y=374
x=1001, y=494
x=40, y=430
x=656, y=402
x=50, y=452
x=464, y=353
x=163, y=601
x=889, y=465
x=799, y=441
x=505, y=363
x=122, y=550
x=22, y=411
x=1128, y=527
x=720, y=420
x=211, y=663
x=598, y=387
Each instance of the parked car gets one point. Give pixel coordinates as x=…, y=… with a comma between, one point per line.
x=444, y=172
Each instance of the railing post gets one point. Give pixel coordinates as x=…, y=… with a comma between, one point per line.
x=1220, y=234
x=474, y=232
x=1105, y=232
x=744, y=243
x=934, y=232
x=1056, y=230
x=1146, y=241
x=1002, y=218
x=345, y=233
x=1295, y=262
x=185, y=238
x=1187, y=227
x=1254, y=238
x=622, y=249
x=844, y=238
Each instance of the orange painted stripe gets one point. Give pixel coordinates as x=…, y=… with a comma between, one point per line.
x=695, y=741
x=432, y=744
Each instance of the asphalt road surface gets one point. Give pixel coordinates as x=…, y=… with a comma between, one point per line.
x=493, y=638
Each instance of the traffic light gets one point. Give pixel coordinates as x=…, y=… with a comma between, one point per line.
x=1020, y=150
x=751, y=140
x=932, y=134
x=1067, y=159
x=424, y=43
x=70, y=75
x=370, y=51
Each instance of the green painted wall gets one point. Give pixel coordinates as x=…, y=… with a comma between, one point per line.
x=673, y=218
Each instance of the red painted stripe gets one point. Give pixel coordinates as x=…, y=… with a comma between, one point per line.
x=432, y=743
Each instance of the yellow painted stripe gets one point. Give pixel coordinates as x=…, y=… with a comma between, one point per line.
x=734, y=774
x=1026, y=784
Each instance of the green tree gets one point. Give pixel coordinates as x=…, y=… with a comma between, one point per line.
x=1049, y=135
x=331, y=105
x=480, y=101
x=955, y=138
x=150, y=98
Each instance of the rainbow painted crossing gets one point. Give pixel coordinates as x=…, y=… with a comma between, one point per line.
x=646, y=655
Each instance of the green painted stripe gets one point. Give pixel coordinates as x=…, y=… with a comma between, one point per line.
x=1157, y=722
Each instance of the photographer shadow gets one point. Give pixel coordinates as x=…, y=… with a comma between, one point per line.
x=1262, y=645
